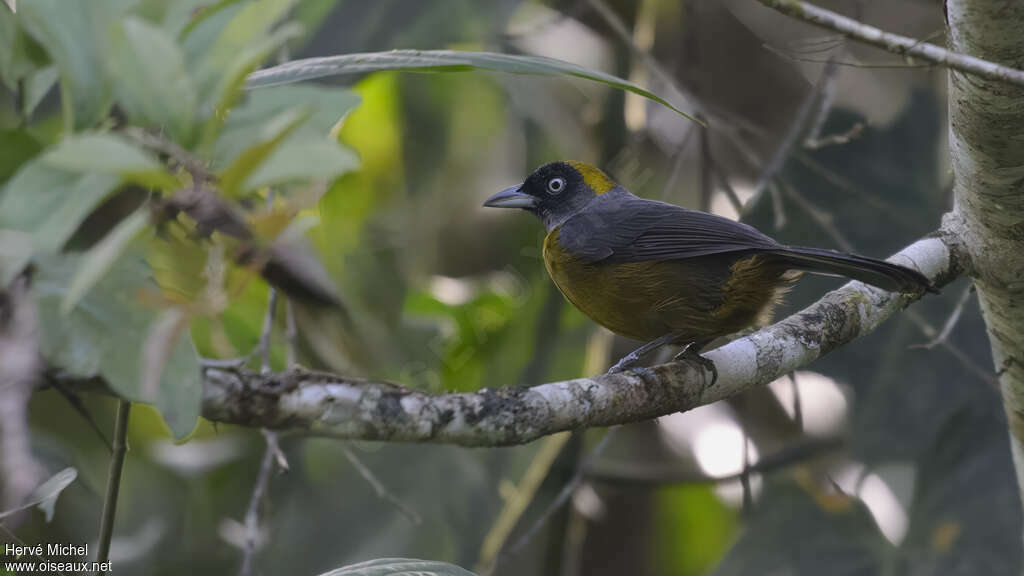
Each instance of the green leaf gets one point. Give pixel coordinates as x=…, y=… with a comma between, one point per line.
x=17, y=147
x=439, y=61
x=150, y=81
x=304, y=160
x=106, y=335
x=101, y=257
x=8, y=37
x=105, y=153
x=251, y=23
x=74, y=34
x=184, y=16
x=45, y=496
x=220, y=92
x=274, y=132
x=20, y=55
x=399, y=567
x=246, y=122
x=15, y=254
x=49, y=204
x=37, y=86
x=11, y=66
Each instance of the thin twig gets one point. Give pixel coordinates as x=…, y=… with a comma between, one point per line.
x=273, y=449
x=268, y=318
x=194, y=165
x=895, y=43
x=797, y=128
x=951, y=321
x=820, y=217
x=291, y=335
x=798, y=408
x=974, y=368
x=835, y=139
x=268, y=327
x=563, y=496
x=124, y=408
x=622, y=31
x=76, y=403
x=847, y=63
x=730, y=192
x=748, y=494
x=677, y=162
x=707, y=186
x=518, y=499
x=252, y=514
x=778, y=208
x=382, y=492
x=826, y=97
x=634, y=472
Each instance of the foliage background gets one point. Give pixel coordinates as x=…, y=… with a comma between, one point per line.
x=453, y=297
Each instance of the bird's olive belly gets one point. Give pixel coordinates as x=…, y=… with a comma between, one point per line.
x=701, y=298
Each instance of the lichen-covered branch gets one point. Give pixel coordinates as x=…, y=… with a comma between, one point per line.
x=971, y=62
x=986, y=121
x=338, y=406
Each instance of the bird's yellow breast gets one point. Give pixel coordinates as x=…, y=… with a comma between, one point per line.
x=700, y=298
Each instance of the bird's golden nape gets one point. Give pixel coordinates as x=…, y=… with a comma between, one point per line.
x=593, y=177
x=653, y=271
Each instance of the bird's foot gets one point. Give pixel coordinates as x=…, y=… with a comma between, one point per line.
x=634, y=356
x=624, y=362
x=690, y=354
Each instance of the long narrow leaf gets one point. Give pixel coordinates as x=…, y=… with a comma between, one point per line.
x=439, y=61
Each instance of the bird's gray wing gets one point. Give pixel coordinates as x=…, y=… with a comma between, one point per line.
x=620, y=227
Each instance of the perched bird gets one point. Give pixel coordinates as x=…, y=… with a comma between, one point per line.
x=656, y=272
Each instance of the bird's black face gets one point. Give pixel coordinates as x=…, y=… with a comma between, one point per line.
x=554, y=192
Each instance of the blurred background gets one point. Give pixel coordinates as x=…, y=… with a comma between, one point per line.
x=889, y=456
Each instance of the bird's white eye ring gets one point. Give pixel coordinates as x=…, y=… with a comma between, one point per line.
x=556, y=185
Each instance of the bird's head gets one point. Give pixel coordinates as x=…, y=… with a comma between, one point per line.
x=555, y=191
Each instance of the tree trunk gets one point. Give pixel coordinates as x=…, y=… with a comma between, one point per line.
x=987, y=148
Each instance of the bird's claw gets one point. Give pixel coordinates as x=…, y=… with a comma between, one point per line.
x=624, y=363
x=690, y=354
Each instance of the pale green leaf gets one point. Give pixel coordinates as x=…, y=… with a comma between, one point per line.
x=184, y=16
x=49, y=204
x=150, y=80
x=399, y=567
x=101, y=257
x=251, y=23
x=247, y=120
x=303, y=160
x=106, y=333
x=45, y=496
x=275, y=131
x=106, y=153
x=74, y=34
x=227, y=84
x=439, y=61
x=37, y=85
x=15, y=254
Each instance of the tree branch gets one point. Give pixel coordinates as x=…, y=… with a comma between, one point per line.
x=895, y=43
x=338, y=406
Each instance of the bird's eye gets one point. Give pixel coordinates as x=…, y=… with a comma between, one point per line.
x=556, y=185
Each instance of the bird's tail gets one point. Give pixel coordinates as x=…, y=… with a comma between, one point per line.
x=885, y=275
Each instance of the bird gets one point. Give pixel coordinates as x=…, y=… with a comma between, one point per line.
x=663, y=274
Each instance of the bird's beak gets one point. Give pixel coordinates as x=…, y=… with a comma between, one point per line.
x=511, y=198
